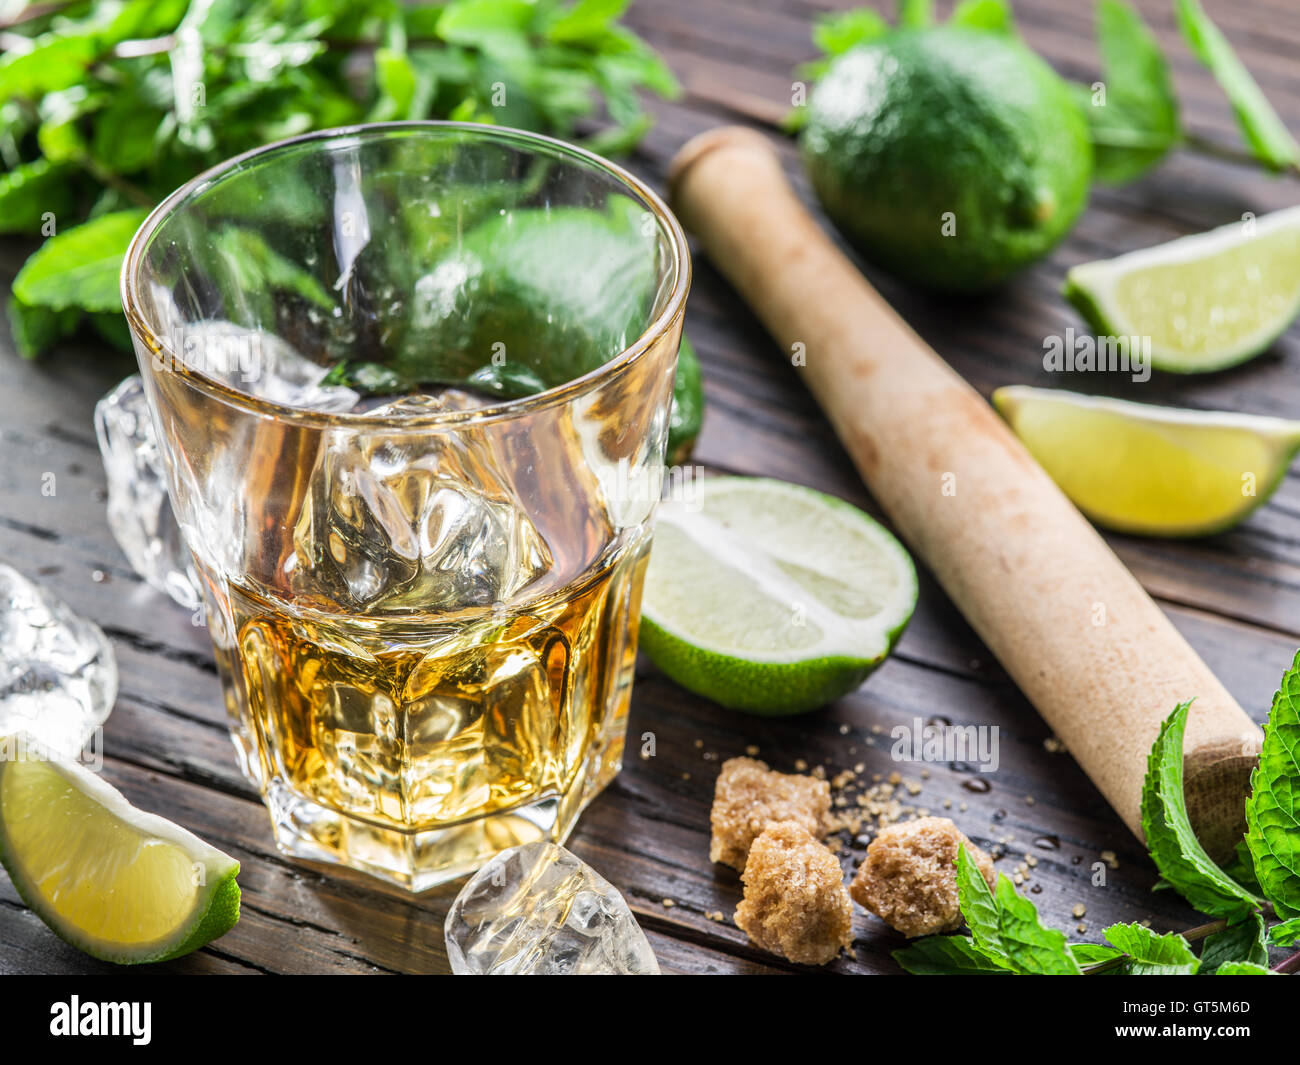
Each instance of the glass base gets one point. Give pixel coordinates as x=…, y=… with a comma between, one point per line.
x=421, y=860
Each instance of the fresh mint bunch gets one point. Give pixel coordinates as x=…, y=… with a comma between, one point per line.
x=1007, y=936
x=106, y=107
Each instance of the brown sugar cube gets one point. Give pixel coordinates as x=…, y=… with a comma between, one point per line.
x=909, y=877
x=795, y=903
x=748, y=797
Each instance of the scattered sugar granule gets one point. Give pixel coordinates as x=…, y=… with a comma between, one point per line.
x=1110, y=858
x=1079, y=909
x=752, y=750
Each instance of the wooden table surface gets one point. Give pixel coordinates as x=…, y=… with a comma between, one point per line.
x=1236, y=596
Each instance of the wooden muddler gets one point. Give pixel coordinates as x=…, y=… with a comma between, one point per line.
x=1066, y=619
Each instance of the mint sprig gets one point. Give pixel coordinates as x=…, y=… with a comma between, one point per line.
x=1273, y=810
x=1007, y=935
x=1135, y=123
x=1242, y=968
x=948, y=956
x=1005, y=925
x=1245, y=941
x=1152, y=954
x=1174, y=848
x=1262, y=129
x=79, y=267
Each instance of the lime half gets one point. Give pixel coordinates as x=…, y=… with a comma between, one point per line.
x=121, y=884
x=1155, y=471
x=769, y=597
x=1207, y=301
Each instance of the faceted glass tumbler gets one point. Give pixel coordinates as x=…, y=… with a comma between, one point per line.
x=411, y=385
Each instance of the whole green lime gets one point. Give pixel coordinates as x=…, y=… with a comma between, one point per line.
x=951, y=156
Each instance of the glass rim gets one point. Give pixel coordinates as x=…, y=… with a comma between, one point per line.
x=674, y=307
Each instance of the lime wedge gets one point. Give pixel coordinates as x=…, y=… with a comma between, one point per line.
x=1206, y=301
x=121, y=884
x=769, y=597
x=1155, y=471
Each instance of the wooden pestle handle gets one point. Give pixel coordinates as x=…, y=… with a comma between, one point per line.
x=1066, y=619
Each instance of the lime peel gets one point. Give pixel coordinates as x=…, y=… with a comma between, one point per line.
x=771, y=597
x=121, y=884
x=1148, y=470
x=1207, y=301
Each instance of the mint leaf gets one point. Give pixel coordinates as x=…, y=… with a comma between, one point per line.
x=1027, y=944
x=36, y=328
x=585, y=19
x=1263, y=131
x=1093, y=953
x=52, y=63
x=1240, y=942
x=978, y=907
x=915, y=14
x=836, y=34
x=1005, y=926
x=1242, y=868
x=1151, y=954
x=995, y=16
x=497, y=27
x=111, y=325
x=1284, y=934
x=79, y=267
x=31, y=191
x=1242, y=968
x=1173, y=844
x=1273, y=809
x=1138, y=122
x=397, y=82
x=948, y=956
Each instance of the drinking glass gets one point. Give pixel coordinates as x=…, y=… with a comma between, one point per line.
x=411, y=383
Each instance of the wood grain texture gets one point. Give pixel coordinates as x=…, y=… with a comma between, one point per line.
x=1235, y=597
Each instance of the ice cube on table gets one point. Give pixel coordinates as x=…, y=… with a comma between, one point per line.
x=58, y=674
x=417, y=520
x=539, y=910
x=139, y=512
